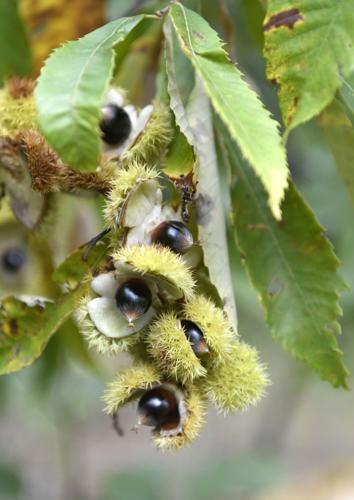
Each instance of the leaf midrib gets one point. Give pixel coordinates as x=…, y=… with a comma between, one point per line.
x=170, y=55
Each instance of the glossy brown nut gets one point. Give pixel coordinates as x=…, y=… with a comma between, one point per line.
x=133, y=298
x=174, y=235
x=158, y=408
x=195, y=337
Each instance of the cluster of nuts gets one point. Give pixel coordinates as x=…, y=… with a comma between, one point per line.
x=146, y=297
x=146, y=300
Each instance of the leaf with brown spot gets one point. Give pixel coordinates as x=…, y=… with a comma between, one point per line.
x=306, y=50
x=286, y=18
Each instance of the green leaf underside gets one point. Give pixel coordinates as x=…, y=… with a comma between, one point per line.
x=195, y=123
x=74, y=268
x=15, y=55
x=307, y=44
x=71, y=88
x=293, y=268
x=25, y=331
x=339, y=135
x=180, y=158
x=249, y=123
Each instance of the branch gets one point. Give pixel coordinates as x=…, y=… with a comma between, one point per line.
x=48, y=173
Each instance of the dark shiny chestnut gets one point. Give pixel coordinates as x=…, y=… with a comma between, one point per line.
x=13, y=259
x=133, y=298
x=195, y=337
x=158, y=407
x=174, y=235
x=115, y=125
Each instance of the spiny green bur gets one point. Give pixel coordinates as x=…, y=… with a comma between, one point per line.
x=212, y=321
x=238, y=382
x=153, y=140
x=128, y=384
x=159, y=262
x=96, y=339
x=195, y=417
x=126, y=181
x=171, y=350
x=16, y=114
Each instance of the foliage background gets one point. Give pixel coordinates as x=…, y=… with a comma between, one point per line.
x=57, y=445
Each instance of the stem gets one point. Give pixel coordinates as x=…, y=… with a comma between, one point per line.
x=116, y=424
x=48, y=173
x=93, y=242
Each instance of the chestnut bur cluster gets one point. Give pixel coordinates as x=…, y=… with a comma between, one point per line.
x=184, y=350
x=145, y=296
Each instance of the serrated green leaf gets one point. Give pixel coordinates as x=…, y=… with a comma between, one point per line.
x=70, y=91
x=292, y=266
x=15, y=54
x=339, y=135
x=75, y=267
x=25, y=330
x=307, y=44
x=195, y=123
x=249, y=123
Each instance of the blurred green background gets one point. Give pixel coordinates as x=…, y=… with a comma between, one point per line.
x=55, y=442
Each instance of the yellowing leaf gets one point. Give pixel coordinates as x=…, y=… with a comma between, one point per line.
x=307, y=44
